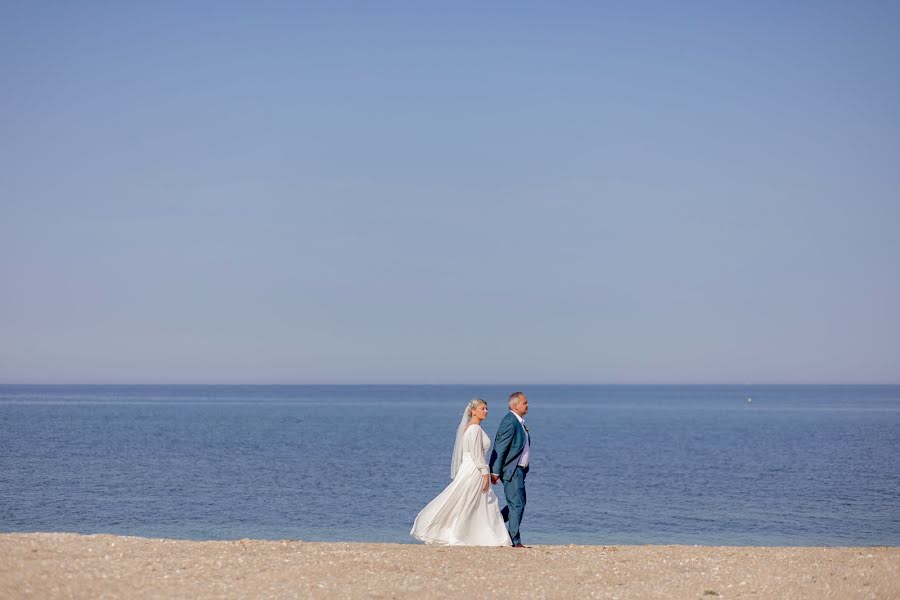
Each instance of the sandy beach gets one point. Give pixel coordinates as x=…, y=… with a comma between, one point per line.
x=63, y=565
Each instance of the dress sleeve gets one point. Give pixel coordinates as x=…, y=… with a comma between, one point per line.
x=477, y=449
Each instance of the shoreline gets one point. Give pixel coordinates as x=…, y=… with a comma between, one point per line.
x=55, y=565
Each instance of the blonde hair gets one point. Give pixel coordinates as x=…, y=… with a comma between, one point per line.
x=473, y=403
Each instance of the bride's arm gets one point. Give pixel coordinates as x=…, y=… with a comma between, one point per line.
x=477, y=450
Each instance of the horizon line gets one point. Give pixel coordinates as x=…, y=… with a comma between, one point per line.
x=525, y=384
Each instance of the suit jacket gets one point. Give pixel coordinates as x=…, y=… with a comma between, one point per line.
x=508, y=446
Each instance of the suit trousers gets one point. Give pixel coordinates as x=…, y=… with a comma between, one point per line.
x=514, y=489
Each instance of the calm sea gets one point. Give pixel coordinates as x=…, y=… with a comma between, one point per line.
x=760, y=465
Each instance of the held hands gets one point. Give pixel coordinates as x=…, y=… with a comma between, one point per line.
x=486, y=483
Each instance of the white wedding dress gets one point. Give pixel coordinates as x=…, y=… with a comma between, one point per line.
x=462, y=515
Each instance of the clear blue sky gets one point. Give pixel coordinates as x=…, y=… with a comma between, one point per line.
x=476, y=192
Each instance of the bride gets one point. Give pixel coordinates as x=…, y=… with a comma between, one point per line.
x=466, y=513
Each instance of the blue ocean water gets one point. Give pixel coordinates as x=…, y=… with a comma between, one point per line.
x=797, y=465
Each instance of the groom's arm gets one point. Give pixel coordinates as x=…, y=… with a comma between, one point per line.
x=502, y=442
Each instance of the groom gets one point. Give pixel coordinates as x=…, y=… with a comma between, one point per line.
x=509, y=462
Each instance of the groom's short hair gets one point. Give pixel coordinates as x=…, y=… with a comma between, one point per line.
x=514, y=398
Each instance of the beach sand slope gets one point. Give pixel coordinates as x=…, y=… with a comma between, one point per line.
x=64, y=565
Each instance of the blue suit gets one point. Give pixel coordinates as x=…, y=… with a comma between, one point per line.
x=509, y=443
